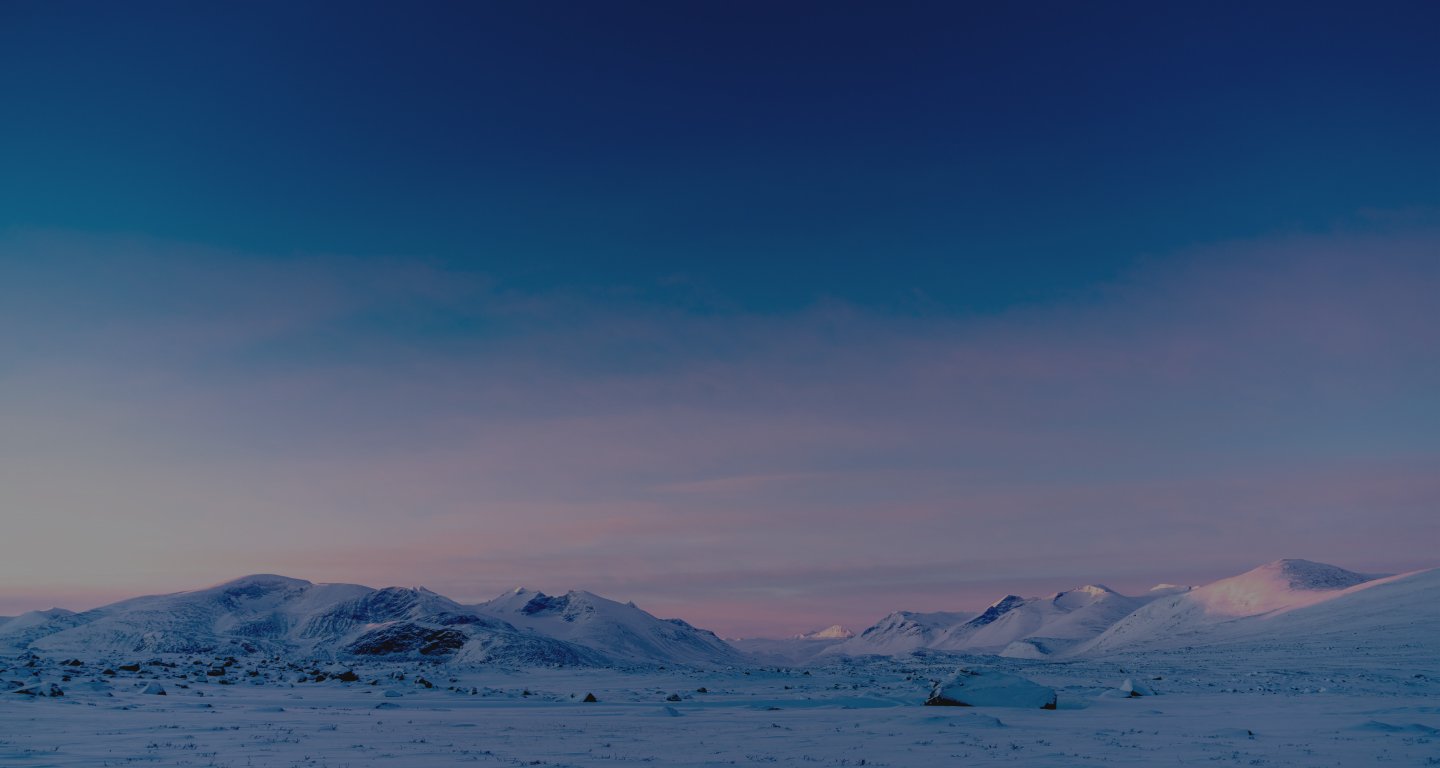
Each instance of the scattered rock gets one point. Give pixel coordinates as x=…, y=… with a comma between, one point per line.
x=40, y=690
x=407, y=638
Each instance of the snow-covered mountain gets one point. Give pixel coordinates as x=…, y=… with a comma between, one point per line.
x=832, y=632
x=1392, y=621
x=902, y=632
x=248, y=614
x=1287, y=603
x=1012, y=626
x=1276, y=587
x=799, y=649
x=275, y=614
x=617, y=630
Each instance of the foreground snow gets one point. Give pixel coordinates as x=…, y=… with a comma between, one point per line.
x=1292, y=709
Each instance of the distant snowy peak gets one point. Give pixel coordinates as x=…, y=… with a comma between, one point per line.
x=259, y=583
x=1090, y=590
x=1046, y=625
x=913, y=624
x=574, y=605
x=21, y=630
x=619, y=630
x=900, y=632
x=1305, y=574
x=1273, y=586
x=1083, y=596
x=832, y=632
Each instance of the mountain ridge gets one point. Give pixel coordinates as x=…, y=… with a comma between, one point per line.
x=270, y=613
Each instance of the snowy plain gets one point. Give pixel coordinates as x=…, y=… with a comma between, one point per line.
x=854, y=713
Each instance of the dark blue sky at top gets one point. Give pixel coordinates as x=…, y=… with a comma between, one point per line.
x=721, y=156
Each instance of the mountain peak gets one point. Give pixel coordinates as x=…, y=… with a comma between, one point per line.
x=1276, y=585
x=1082, y=596
x=832, y=632
x=997, y=609
x=1310, y=575
x=264, y=582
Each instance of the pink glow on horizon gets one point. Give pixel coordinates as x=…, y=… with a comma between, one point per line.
x=798, y=471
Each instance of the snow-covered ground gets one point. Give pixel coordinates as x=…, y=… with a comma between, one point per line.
x=1211, y=709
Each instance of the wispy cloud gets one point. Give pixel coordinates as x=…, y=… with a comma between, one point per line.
x=176, y=414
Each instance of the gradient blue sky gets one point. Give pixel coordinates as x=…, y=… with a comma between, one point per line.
x=766, y=315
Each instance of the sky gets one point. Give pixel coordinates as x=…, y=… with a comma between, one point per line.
x=768, y=316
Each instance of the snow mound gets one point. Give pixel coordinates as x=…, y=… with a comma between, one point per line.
x=990, y=688
x=1134, y=689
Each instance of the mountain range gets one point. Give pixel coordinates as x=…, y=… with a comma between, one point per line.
x=279, y=615
x=1294, y=601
